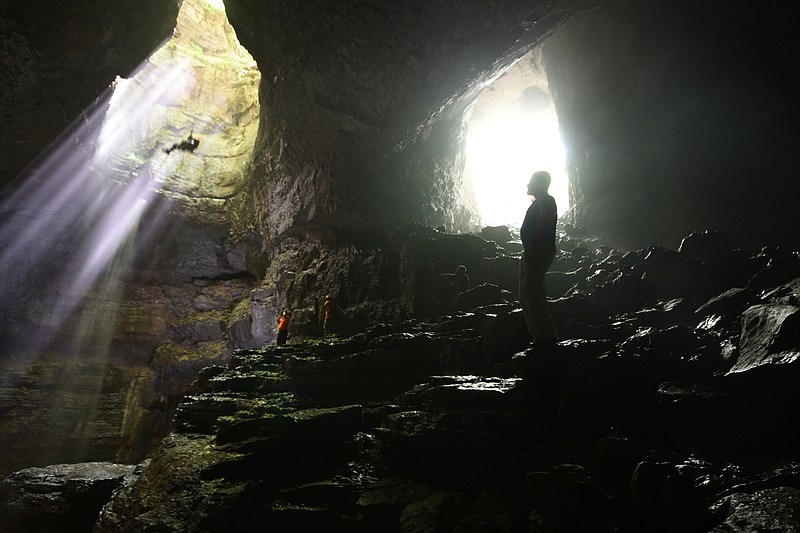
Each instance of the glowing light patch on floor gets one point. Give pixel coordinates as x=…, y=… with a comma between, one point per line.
x=503, y=150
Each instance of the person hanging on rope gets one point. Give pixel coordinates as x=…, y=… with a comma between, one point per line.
x=187, y=145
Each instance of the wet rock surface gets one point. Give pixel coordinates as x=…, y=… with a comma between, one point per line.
x=775, y=509
x=60, y=497
x=663, y=418
x=105, y=384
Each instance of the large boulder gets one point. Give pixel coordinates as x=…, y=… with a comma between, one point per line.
x=770, y=339
x=774, y=509
x=66, y=497
x=713, y=245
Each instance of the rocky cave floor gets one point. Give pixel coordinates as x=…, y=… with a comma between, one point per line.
x=668, y=406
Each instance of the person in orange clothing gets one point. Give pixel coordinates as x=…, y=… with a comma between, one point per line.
x=283, y=327
x=330, y=311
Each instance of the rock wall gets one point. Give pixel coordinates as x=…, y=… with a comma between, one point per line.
x=679, y=117
x=104, y=382
x=667, y=406
x=401, y=276
x=92, y=367
x=57, y=57
x=365, y=101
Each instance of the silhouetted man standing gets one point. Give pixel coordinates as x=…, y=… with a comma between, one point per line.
x=538, y=234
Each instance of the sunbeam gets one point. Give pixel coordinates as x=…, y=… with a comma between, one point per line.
x=77, y=219
x=76, y=204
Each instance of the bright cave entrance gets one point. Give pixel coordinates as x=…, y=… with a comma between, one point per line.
x=512, y=133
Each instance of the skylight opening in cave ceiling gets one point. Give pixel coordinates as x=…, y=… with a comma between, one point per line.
x=202, y=83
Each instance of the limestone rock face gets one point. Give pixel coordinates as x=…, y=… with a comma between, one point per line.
x=59, y=497
x=57, y=57
x=365, y=103
x=384, y=280
x=104, y=383
x=775, y=509
x=769, y=338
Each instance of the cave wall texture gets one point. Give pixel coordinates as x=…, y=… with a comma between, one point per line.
x=365, y=102
x=57, y=57
x=678, y=116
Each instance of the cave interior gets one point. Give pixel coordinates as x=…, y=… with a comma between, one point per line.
x=141, y=386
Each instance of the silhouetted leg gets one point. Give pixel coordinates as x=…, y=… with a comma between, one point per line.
x=532, y=297
x=282, y=337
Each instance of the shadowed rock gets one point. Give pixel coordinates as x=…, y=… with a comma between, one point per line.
x=59, y=497
x=775, y=509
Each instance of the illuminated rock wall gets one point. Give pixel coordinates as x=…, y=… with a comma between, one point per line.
x=364, y=104
x=103, y=332
x=57, y=57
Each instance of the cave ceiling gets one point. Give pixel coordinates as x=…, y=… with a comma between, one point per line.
x=365, y=101
x=362, y=103
x=351, y=90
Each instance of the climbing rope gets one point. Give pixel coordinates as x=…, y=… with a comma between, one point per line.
x=197, y=98
x=195, y=114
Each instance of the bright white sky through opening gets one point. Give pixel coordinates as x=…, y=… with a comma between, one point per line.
x=503, y=150
x=216, y=4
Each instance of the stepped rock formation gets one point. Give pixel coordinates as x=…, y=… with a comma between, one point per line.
x=659, y=413
x=665, y=407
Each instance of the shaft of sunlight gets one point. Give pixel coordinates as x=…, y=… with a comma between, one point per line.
x=79, y=206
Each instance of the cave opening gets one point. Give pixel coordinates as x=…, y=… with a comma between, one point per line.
x=513, y=131
x=201, y=83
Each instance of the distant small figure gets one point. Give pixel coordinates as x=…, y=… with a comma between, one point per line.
x=283, y=327
x=451, y=285
x=330, y=311
x=187, y=145
x=460, y=280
